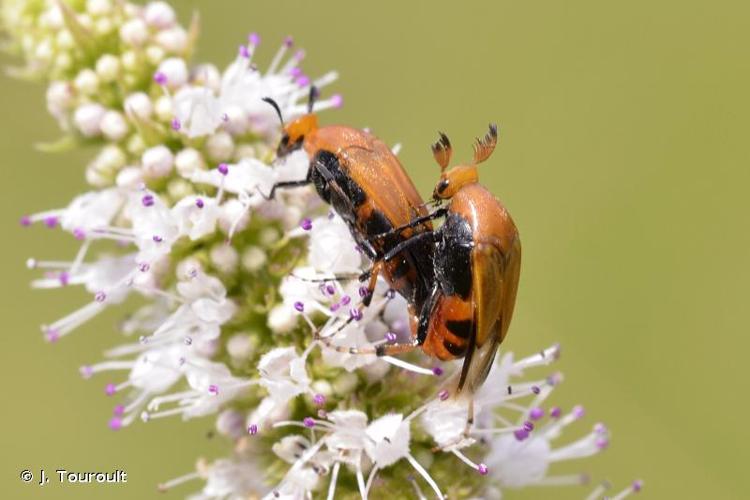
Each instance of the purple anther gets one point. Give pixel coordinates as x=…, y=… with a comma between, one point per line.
x=244, y=51
x=299, y=55
x=322, y=413
x=521, y=434
x=355, y=314
x=337, y=100
x=100, y=296
x=443, y=395
x=252, y=429
x=363, y=291
x=86, y=371
x=528, y=425
x=602, y=443
x=600, y=428
x=330, y=289
x=160, y=78
x=578, y=411
x=288, y=41
x=345, y=300
x=536, y=413
x=148, y=200
x=555, y=412
x=157, y=238
x=482, y=469
x=319, y=399
x=223, y=168
x=176, y=125
x=390, y=337
x=64, y=278
x=118, y=411
x=213, y=389
x=299, y=306
x=253, y=39
x=52, y=336
x=303, y=80
x=79, y=234
x=308, y=422
x=50, y=222
x=295, y=72
x=335, y=307
x=144, y=267
x=25, y=221
x=535, y=389
x=306, y=224
x=637, y=485
x=199, y=203
x=110, y=389
x=115, y=423
x=437, y=371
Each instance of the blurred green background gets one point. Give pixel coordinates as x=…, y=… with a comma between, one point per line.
x=623, y=159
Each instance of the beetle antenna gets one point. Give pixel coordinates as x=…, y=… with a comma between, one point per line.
x=442, y=151
x=314, y=93
x=484, y=147
x=276, y=107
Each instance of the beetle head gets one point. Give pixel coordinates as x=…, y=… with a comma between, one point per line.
x=295, y=131
x=454, y=178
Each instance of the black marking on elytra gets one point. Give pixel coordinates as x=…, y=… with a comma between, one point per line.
x=453, y=256
x=460, y=328
x=354, y=194
x=380, y=350
x=377, y=223
x=456, y=350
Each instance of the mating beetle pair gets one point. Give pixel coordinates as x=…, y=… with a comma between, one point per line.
x=459, y=280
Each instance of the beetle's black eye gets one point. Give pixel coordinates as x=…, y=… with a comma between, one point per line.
x=443, y=185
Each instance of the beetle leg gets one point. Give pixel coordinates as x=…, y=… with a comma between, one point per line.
x=440, y=212
x=380, y=350
x=374, y=272
x=284, y=184
x=336, y=277
x=407, y=243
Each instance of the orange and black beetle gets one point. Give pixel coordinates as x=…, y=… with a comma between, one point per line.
x=361, y=178
x=477, y=262
x=477, y=266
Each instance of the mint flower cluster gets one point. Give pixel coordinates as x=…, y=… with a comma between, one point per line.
x=233, y=285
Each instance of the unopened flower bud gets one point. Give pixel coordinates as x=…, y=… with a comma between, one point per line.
x=188, y=161
x=224, y=257
x=157, y=162
x=220, y=146
x=139, y=105
x=113, y=126
x=108, y=67
x=253, y=258
x=159, y=15
x=86, y=82
x=129, y=177
x=134, y=32
x=175, y=70
x=173, y=40
x=87, y=119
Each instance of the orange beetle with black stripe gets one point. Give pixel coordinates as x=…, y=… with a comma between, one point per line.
x=477, y=263
x=361, y=178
